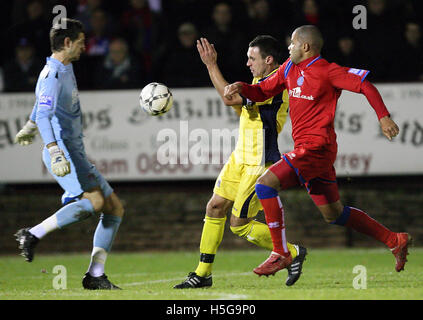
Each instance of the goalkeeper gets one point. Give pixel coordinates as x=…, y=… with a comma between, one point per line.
x=57, y=114
x=256, y=149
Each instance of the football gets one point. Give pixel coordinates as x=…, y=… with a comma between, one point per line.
x=156, y=99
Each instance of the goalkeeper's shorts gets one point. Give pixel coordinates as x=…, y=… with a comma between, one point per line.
x=84, y=176
x=236, y=182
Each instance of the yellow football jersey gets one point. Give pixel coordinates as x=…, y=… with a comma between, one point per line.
x=260, y=124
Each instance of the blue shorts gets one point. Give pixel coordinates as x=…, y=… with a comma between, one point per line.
x=84, y=176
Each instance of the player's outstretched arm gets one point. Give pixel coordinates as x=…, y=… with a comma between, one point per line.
x=208, y=55
x=388, y=126
x=258, y=92
x=354, y=80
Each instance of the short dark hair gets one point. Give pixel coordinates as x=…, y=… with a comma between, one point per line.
x=268, y=46
x=310, y=34
x=58, y=33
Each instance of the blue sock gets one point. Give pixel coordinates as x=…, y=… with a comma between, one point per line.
x=265, y=192
x=74, y=212
x=103, y=239
x=106, y=231
x=343, y=218
x=67, y=215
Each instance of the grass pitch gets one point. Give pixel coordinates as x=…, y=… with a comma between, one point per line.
x=327, y=274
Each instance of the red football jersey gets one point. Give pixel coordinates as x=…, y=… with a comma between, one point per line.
x=314, y=86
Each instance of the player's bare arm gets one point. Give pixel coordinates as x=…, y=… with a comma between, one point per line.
x=208, y=55
x=388, y=126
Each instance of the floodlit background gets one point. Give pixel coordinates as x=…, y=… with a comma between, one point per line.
x=132, y=43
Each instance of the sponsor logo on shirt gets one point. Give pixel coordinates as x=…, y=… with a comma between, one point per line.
x=296, y=93
x=45, y=101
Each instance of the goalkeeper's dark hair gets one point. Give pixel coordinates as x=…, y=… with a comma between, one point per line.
x=269, y=46
x=58, y=33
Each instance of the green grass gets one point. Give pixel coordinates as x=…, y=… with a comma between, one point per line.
x=327, y=274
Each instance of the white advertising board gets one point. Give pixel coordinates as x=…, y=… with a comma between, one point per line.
x=123, y=141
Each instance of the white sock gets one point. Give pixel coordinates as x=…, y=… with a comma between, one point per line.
x=48, y=225
x=98, y=259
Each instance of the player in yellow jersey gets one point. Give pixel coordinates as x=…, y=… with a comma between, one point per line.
x=256, y=149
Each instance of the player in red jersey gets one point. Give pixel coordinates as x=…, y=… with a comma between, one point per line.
x=314, y=87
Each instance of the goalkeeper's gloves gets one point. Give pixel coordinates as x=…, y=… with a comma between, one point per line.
x=59, y=165
x=26, y=135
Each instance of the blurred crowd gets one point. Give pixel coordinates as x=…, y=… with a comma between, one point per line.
x=132, y=42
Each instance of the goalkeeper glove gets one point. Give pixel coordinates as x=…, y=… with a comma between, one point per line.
x=26, y=135
x=59, y=165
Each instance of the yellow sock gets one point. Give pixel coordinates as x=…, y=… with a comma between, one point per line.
x=210, y=240
x=259, y=234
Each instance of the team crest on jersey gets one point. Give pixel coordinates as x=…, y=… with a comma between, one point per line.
x=300, y=81
x=45, y=101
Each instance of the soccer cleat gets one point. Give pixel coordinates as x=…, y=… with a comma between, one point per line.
x=98, y=283
x=273, y=264
x=401, y=250
x=194, y=281
x=294, y=270
x=27, y=242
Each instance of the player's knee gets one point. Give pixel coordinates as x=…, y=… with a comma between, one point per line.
x=97, y=201
x=215, y=209
x=262, y=180
x=268, y=179
x=119, y=209
x=114, y=206
x=330, y=216
x=331, y=212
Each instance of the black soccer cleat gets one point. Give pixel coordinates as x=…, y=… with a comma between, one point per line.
x=27, y=242
x=194, y=281
x=294, y=269
x=98, y=283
